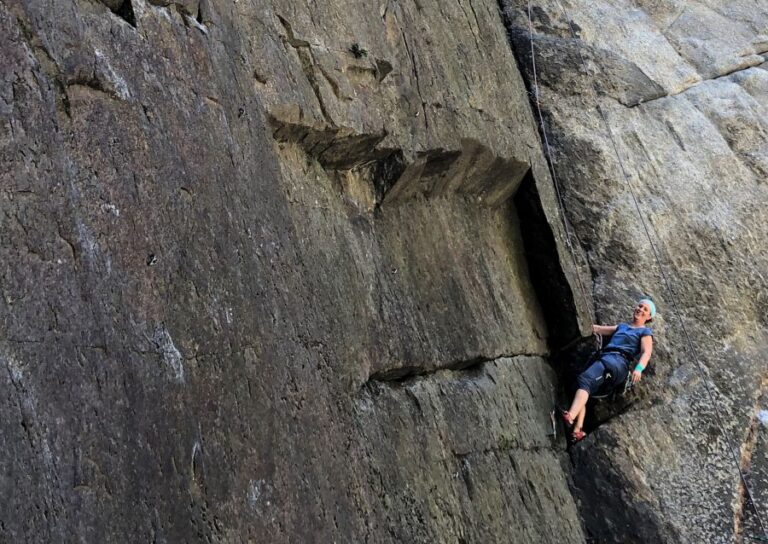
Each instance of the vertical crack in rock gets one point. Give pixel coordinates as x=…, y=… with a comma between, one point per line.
x=15, y=378
x=331, y=81
x=549, y=281
x=415, y=72
x=474, y=28
x=306, y=58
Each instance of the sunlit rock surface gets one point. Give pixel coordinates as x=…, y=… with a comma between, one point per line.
x=684, y=88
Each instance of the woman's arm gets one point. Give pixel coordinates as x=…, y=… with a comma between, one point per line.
x=646, y=347
x=604, y=330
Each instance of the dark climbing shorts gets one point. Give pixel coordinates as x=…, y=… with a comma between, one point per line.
x=593, y=378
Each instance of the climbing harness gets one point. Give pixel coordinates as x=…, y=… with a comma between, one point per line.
x=613, y=390
x=665, y=279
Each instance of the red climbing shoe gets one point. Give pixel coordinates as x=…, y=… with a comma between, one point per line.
x=578, y=436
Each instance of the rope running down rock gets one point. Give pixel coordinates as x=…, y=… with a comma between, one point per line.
x=561, y=204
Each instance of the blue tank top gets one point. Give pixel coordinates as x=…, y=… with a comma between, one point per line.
x=627, y=340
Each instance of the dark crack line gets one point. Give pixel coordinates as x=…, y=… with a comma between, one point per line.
x=35, y=440
x=309, y=71
x=415, y=72
x=409, y=374
x=476, y=30
x=307, y=59
x=503, y=449
x=694, y=85
x=527, y=385
x=18, y=388
x=673, y=23
x=331, y=81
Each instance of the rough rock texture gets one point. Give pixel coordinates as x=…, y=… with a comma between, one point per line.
x=280, y=272
x=276, y=273
x=684, y=87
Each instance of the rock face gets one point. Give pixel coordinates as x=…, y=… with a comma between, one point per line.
x=276, y=273
x=684, y=89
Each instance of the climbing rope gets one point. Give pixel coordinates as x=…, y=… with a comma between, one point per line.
x=561, y=204
x=665, y=279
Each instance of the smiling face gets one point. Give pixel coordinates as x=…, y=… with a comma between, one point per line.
x=642, y=313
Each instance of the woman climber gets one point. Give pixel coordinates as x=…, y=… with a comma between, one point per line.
x=628, y=341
